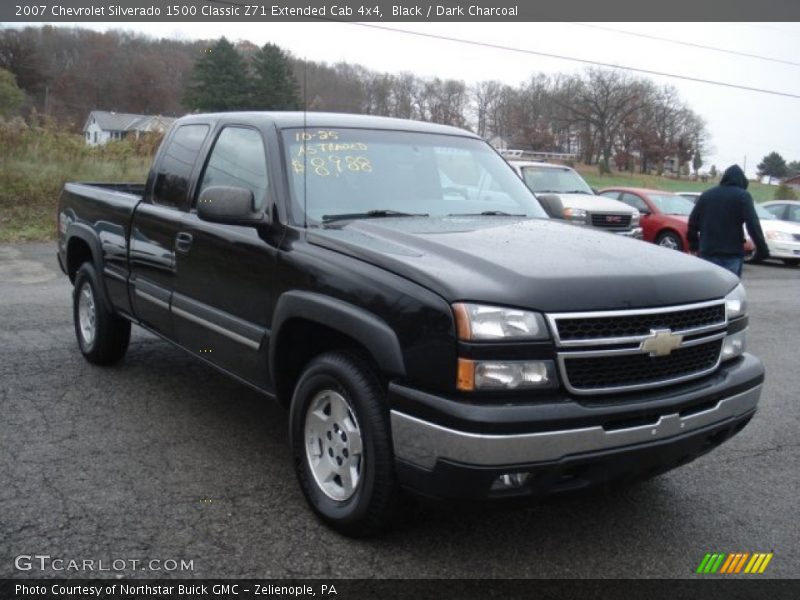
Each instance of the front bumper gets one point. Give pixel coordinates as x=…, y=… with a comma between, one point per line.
x=783, y=249
x=462, y=450
x=635, y=233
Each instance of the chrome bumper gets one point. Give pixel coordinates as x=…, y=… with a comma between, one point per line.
x=635, y=233
x=422, y=443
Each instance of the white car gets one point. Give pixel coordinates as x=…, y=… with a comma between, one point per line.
x=561, y=189
x=783, y=237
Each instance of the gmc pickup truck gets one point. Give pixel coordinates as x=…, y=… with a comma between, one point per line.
x=564, y=194
x=401, y=291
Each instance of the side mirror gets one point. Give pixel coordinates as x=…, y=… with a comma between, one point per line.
x=645, y=211
x=552, y=205
x=228, y=205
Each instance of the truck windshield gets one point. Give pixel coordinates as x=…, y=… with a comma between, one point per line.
x=339, y=174
x=554, y=180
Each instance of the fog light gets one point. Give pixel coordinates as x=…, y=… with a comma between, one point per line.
x=733, y=345
x=510, y=481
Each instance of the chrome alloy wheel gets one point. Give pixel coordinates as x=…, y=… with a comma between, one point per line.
x=87, y=314
x=333, y=445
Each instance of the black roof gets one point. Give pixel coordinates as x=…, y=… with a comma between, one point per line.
x=321, y=119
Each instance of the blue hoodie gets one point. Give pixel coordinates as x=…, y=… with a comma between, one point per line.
x=715, y=225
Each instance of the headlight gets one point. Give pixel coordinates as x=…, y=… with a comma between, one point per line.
x=476, y=322
x=780, y=236
x=505, y=374
x=736, y=303
x=575, y=215
x=635, y=219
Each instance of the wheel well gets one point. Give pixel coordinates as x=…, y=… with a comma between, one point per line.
x=669, y=230
x=78, y=252
x=299, y=341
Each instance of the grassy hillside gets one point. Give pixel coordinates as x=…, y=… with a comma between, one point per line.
x=760, y=192
x=36, y=161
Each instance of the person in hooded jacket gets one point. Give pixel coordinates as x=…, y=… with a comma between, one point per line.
x=715, y=225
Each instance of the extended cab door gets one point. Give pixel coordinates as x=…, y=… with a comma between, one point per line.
x=222, y=300
x=156, y=226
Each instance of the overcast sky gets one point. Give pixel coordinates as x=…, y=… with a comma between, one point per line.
x=741, y=123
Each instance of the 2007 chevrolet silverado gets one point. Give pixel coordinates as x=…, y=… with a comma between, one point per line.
x=397, y=286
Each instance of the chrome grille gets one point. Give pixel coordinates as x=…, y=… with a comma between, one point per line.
x=611, y=220
x=627, y=325
x=611, y=372
x=613, y=351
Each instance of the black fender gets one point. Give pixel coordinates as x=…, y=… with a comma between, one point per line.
x=367, y=329
x=88, y=235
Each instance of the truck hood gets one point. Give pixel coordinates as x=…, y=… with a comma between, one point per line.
x=531, y=263
x=594, y=204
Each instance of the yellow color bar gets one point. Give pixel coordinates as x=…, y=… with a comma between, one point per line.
x=759, y=559
x=764, y=564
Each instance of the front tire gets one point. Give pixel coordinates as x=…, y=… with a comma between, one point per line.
x=103, y=336
x=341, y=444
x=670, y=240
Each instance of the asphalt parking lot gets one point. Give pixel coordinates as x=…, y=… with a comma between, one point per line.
x=163, y=458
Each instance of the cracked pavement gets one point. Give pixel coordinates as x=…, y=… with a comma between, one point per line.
x=161, y=457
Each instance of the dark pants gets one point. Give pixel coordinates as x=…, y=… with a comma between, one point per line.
x=732, y=263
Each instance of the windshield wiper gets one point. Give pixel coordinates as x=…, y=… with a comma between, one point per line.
x=577, y=192
x=370, y=214
x=486, y=213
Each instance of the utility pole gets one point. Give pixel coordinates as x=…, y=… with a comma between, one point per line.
x=744, y=168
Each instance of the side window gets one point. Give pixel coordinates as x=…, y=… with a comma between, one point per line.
x=612, y=195
x=172, y=180
x=794, y=212
x=634, y=201
x=778, y=210
x=238, y=160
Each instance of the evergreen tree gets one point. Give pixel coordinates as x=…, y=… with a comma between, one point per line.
x=772, y=165
x=274, y=86
x=219, y=80
x=697, y=161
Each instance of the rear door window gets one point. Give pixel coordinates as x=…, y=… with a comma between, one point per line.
x=176, y=165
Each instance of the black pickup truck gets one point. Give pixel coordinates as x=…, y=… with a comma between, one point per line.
x=403, y=293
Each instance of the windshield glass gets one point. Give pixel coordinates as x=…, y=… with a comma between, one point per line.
x=557, y=180
x=672, y=205
x=763, y=213
x=363, y=173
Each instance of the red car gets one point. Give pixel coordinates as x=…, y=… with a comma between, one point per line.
x=665, y=216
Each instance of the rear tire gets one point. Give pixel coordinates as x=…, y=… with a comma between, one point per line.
x=341, y=442
x=670, y=240
x=103, y=336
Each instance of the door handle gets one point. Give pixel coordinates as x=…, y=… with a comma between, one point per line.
x=183, y=242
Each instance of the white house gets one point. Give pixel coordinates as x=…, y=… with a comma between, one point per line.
x=103, y=126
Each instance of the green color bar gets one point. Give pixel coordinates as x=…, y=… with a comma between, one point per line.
x=703, y=563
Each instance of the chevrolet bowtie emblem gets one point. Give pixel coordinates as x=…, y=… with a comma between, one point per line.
x=661, y=342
